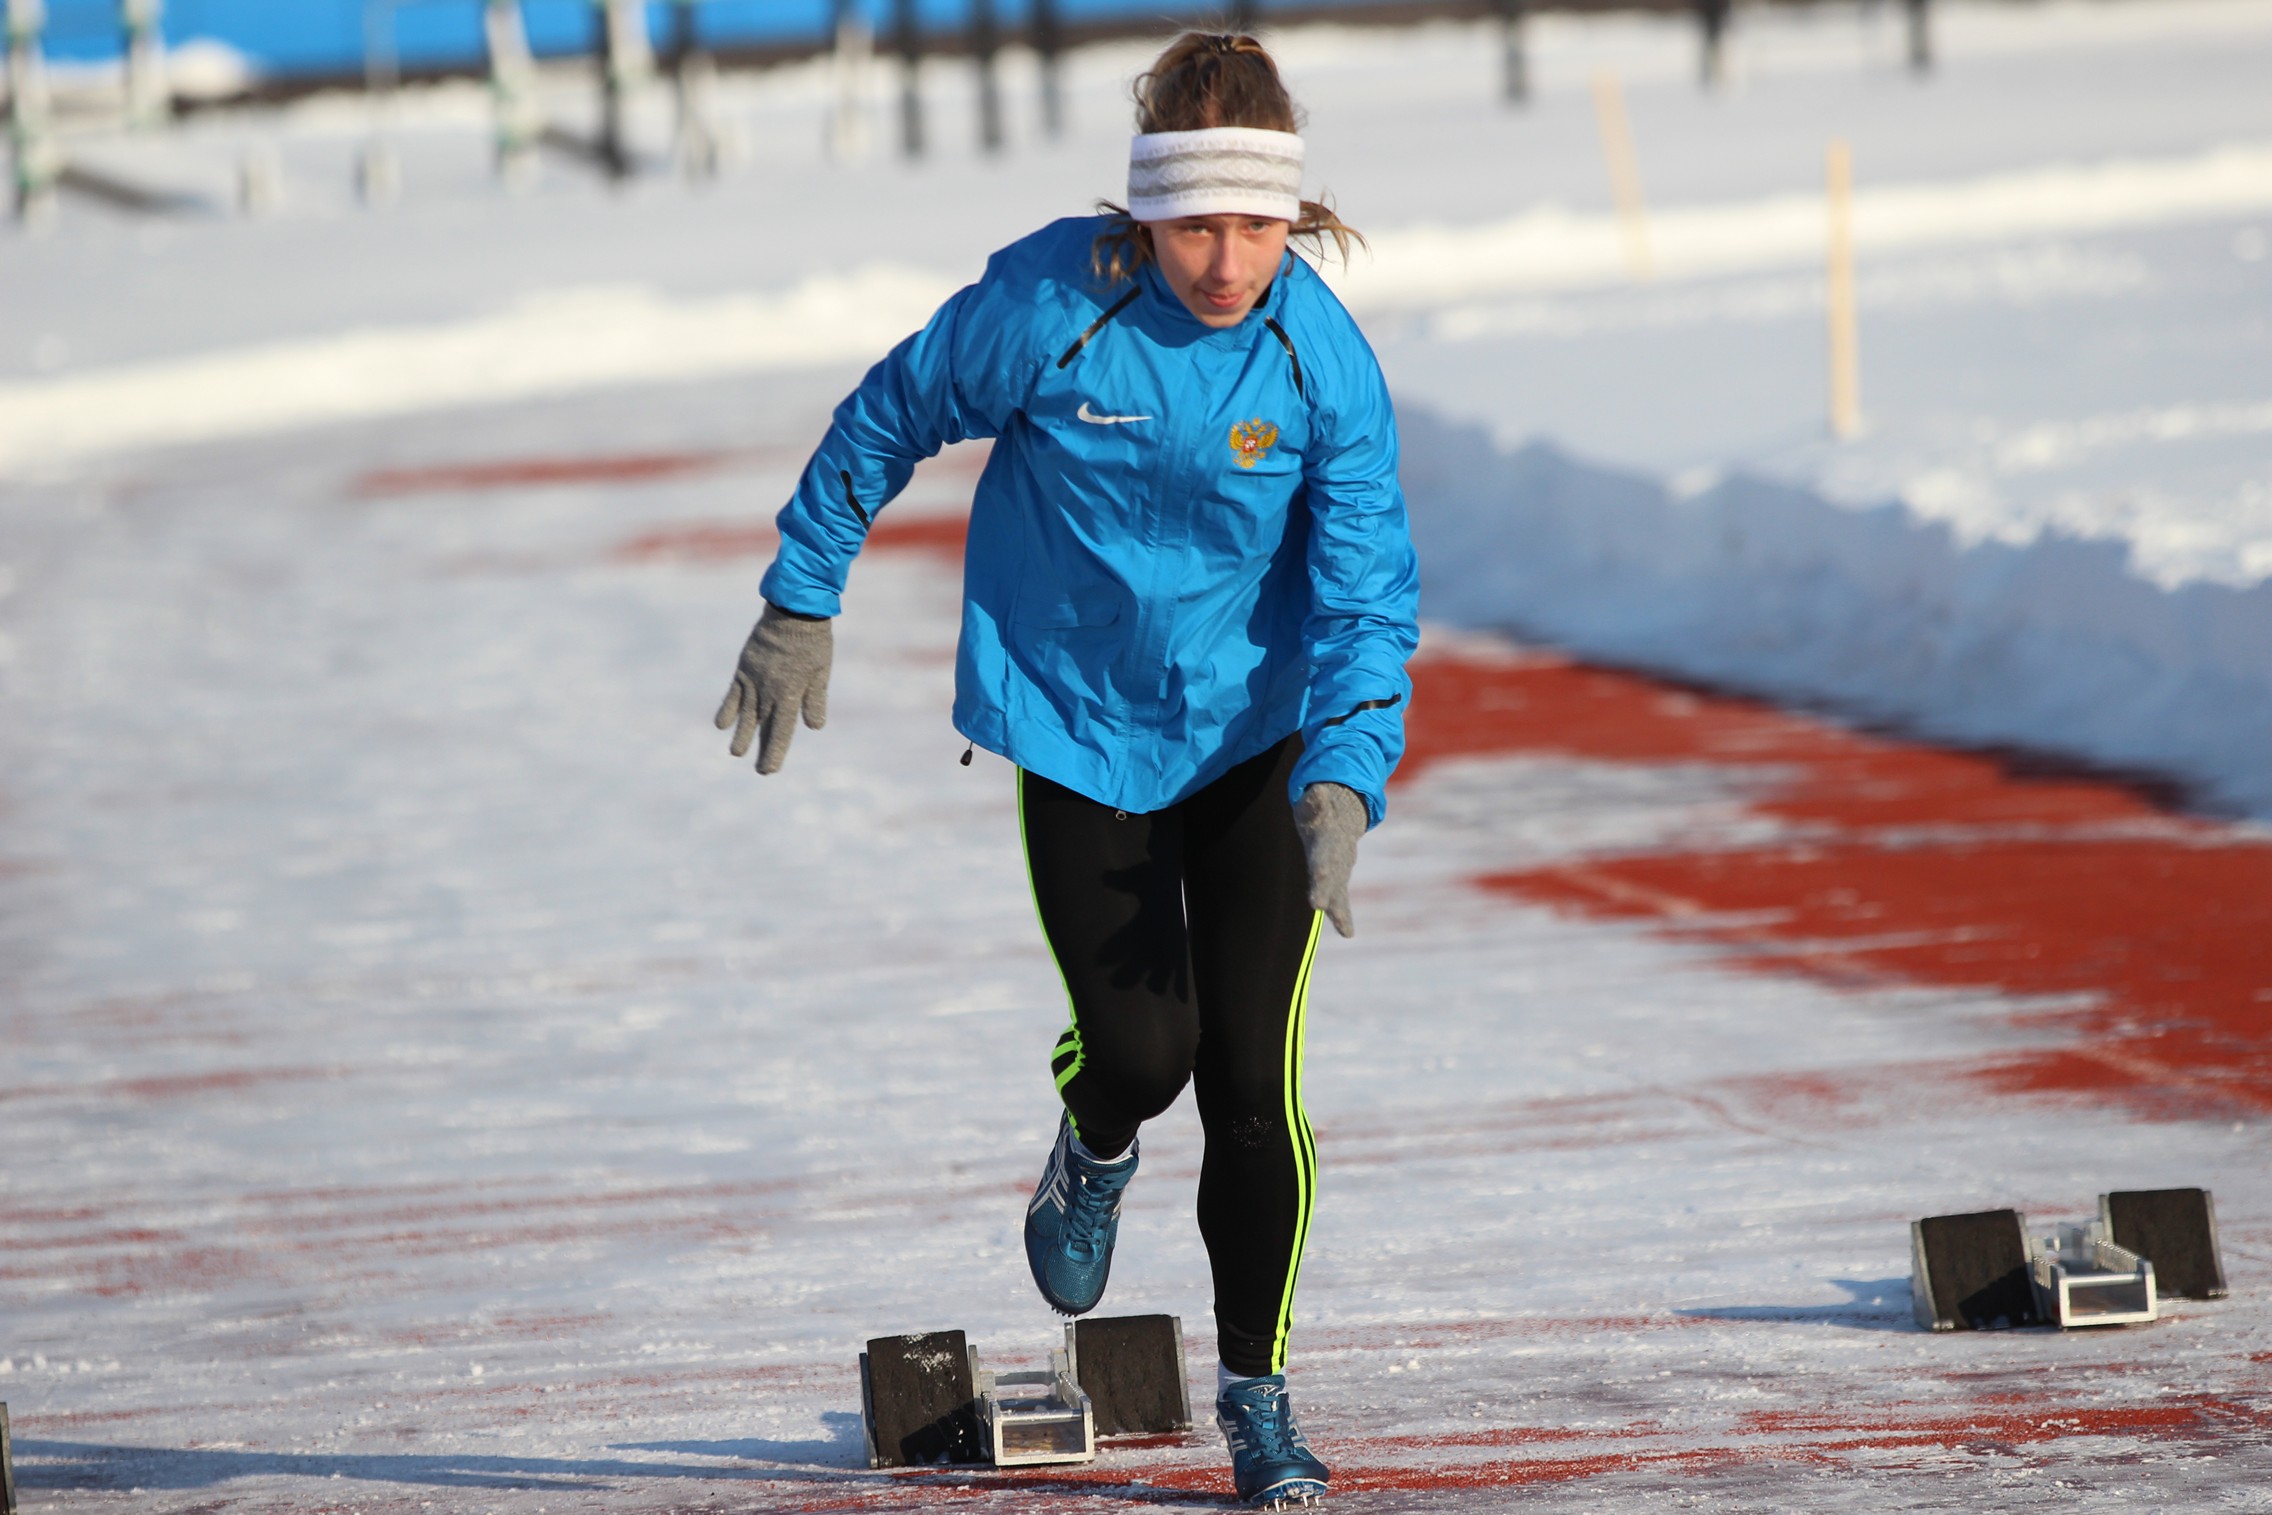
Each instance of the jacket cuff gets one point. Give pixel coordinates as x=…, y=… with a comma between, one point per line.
x=1345, y=764
x=798, y=594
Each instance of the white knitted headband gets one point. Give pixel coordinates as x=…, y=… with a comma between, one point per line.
x=1223, y=170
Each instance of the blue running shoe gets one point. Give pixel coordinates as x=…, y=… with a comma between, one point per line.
x=1270, y=1463
x=1073, y=1222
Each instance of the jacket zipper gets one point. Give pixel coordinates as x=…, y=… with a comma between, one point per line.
x=1291, y=356
x=1098, y=325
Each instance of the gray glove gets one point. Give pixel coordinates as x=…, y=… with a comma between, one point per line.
x=783, y=672
x=1331, y=819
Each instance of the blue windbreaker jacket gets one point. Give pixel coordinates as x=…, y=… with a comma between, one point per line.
x=1187, y=544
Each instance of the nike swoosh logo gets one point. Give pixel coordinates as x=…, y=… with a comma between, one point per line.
x=1094, y=419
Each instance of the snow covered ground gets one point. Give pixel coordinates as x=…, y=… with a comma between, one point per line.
x=438, y=1078
x=437, y=1068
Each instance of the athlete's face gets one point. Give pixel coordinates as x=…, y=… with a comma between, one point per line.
x=1219, y=265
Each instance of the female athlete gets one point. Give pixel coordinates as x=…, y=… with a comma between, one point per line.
x=1189, y=595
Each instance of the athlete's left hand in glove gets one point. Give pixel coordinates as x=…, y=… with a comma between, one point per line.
x=1331, y=819
x=783, y=673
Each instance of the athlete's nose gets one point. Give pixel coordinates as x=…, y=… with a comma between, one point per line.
x=1223, y=268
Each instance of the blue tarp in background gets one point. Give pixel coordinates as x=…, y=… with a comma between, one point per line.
x=285, y=37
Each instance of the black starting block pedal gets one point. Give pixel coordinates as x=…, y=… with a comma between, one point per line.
x=1131, y=1367
x=7, y=1466
x=2176, y=1231
x=1970, y=1272
x=919, y=1400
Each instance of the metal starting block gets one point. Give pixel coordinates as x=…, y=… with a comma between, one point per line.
x=926, y=1398
x=1035, y=1417
x=2083, y=1279
x=1987, y=1269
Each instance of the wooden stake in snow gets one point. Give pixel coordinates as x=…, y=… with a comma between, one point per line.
x=1624, y=172
x=1845, y=374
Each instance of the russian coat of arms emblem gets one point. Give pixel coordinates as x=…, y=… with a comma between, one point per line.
x=1251, y=441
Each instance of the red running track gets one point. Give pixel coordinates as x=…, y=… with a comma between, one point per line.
x=1897, y=861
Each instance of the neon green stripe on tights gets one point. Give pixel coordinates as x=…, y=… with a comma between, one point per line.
x=1304, y=1142
x=1071, y=1036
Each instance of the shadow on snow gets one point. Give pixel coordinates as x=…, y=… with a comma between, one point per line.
x=839, y=1461
x=89, y=1465
x=1873, y=1304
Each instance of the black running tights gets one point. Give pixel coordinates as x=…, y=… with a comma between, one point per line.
x=1185, y=937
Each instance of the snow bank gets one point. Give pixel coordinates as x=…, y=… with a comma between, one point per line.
x=554, y=343
x=1550, y=247
x=2058, y=642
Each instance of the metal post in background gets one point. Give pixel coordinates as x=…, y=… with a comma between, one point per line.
x=1514, y=65
x=1049, y=52
x=853, y=51
x=627, y=62
x=513, y=86
x=378, y=172
x=1920, y=37
x=907, y=33
x=149, y=99
x=694, y=139
x=1243, y=15
x=985, y=42
x=36, y=156
x=1712, y=19
x=260, y=179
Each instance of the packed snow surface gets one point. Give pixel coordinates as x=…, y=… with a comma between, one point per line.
x=441, y=1078
x=438, y=1078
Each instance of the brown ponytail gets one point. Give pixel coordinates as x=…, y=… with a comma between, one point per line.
x=1209, y=79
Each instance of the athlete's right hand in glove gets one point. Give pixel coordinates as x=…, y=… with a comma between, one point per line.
x=1331, y=819
x=783, y=673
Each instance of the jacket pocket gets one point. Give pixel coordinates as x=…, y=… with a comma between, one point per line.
x=1063, y=613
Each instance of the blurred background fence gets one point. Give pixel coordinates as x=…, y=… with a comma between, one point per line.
x=293, y=46
x=103, y=65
